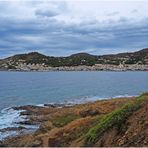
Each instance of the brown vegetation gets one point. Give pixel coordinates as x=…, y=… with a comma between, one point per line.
x=72, y=125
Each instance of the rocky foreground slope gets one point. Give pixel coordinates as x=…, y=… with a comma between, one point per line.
x=82, y=61
x=114, y=122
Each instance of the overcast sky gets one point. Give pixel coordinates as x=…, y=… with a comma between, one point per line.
x=61, y=28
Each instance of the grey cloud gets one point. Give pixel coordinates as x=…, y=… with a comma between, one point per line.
x=53, y=9
x=56, y=38
x=46, y=13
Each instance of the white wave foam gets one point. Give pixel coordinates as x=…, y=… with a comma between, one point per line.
x=83, y=100
x=88, y=99
x=6, y=134
x=40, y=105
x=124, y=96
x=8, y=117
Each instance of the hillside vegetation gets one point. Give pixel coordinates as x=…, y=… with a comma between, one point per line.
x=139, y=57
x=114, y=122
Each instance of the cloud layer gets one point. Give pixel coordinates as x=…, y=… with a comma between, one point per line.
x=66, y=27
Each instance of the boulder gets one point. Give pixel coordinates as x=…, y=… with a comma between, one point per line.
x=89, y=112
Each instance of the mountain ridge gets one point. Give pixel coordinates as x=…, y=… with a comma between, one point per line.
x=144, y=50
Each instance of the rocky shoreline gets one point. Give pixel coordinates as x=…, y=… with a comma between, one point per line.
x=59, y=124
x=25, y=124
x=29, y=121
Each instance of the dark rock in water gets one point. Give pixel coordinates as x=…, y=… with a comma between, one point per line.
x=65, y=105
x=26, y=113
x=50, y=105
x=54, y=105
x=12, y=129
x=27, y=122
x=88, y=112
x=27, y=107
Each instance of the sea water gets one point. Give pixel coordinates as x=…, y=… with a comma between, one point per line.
x=36, y=88
x=22, y=88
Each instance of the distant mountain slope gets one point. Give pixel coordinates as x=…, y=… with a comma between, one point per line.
x=139, y=57
x=32, y=57
x=129, y=58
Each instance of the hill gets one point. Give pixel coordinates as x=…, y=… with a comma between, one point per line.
x=108, y=123
x=37, y=61
x=140, y=56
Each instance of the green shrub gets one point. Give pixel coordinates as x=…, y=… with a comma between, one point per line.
x=144, y=94
x=116, y=117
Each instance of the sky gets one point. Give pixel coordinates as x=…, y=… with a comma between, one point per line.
x=65, y=27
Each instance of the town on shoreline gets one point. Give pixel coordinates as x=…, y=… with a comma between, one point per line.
x=98, y=67
x=34, y=61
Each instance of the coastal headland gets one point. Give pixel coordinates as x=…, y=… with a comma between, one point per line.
x=113, y=122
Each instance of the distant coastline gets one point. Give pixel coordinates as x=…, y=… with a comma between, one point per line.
x=97, y=67
x=34, y=61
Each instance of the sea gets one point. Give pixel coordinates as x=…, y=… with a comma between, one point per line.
x=73, y=87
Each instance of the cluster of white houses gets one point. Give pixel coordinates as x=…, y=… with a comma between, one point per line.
x=96, y=67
